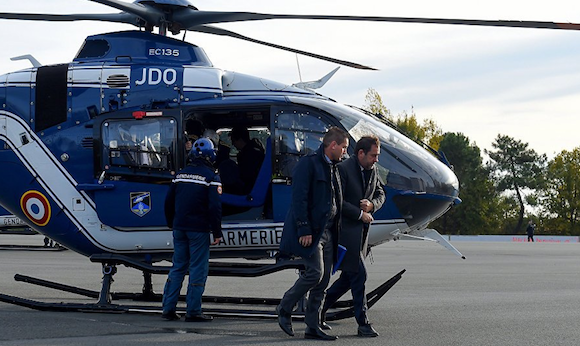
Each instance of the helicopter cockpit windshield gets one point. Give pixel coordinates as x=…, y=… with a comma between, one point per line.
x=403, y=164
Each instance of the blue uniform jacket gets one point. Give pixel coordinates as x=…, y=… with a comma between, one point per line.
x=311, y=205
x=193, y=203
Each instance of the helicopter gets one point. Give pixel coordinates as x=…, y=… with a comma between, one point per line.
x=10, y=224
x=88, y=148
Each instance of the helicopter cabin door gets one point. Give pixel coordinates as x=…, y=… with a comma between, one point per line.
x=136, y=157
x=298, y=131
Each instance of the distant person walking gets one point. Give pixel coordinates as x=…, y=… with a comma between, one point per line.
x=530, y=231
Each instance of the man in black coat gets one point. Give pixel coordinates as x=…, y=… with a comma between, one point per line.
x=311, y=230
x=363, y=195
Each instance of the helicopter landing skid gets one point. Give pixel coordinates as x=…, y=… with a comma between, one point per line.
x=340, y=310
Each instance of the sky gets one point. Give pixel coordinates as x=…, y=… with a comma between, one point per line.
x=479, y=81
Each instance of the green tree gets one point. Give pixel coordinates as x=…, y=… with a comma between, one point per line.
x=374, y=104
x=562, y=193
x=514, y=167
x=475, y=215
x=507, y=213
x=433, y=132
x=410, y=126
x=427, y=132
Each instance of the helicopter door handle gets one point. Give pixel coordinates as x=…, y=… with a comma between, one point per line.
x=123, y=57
x=102, y=177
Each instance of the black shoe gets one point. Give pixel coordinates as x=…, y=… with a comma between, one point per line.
x=367, y=331
x=170, y=316
x=318, y=334
x=198, y=318
x=325, y=326
x=285, y=320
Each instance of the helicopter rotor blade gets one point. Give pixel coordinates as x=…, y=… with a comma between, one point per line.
x=179, y=14
x=222, y=32
x=149, y=14
x=105, y=17
x=189, y=18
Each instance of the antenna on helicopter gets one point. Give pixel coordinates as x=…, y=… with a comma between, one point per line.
x=315, y=84
x=29, y=57
x=298, y=64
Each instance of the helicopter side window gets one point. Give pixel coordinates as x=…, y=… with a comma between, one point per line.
x=93, y=49
x=145, y=144
x=297, y=134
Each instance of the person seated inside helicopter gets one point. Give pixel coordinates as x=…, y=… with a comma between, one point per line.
x=194, y=129
x=250, y=156
x=229, y=173
x=227, y=168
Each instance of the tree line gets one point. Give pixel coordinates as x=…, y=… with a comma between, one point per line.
x=499, y=195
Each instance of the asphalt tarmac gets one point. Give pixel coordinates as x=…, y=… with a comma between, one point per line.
x=502, y=294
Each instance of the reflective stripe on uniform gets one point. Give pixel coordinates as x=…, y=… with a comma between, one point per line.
x=195, y=181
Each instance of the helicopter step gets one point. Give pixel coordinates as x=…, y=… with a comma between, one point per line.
x=15, y=247
x=215, y=268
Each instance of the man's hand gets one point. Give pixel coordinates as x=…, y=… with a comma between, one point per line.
x=367, y=218
x=366, y=205
x=216, y=241
x=305, y=240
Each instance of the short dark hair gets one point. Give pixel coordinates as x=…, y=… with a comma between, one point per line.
x=366, y=143
x=194, y=127
x=240, y=132
x=334, y=134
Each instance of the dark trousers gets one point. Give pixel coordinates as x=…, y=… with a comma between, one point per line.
x=314, y=279
x=355, y=281
x=190, y=253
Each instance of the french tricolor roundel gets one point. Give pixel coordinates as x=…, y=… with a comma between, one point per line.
x=36, y=207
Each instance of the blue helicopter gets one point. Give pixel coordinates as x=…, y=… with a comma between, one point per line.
x=88, y=148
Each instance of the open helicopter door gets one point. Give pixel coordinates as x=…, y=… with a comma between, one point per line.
x=298, y=131
x=136, y=156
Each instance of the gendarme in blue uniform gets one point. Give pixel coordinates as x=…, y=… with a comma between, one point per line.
x=193, y=209
x=193, y=203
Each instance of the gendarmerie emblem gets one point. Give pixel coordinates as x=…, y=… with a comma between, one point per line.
x=140, y=202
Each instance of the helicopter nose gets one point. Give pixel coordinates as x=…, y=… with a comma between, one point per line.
x=421, y=186
x=426, y=196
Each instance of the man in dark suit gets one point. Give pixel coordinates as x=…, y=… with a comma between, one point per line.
x=363, y=195
x=311, y=230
